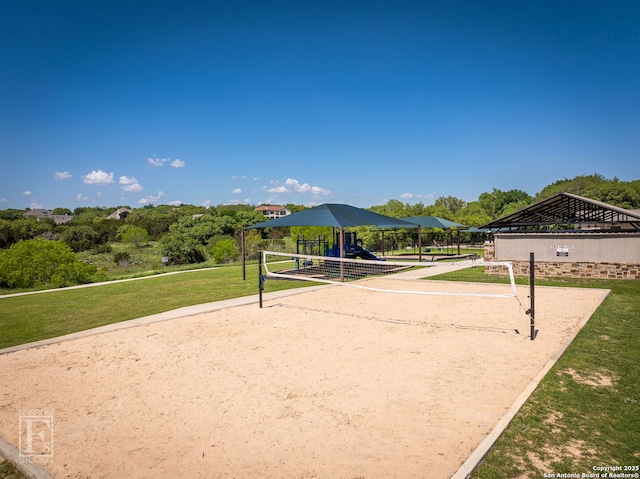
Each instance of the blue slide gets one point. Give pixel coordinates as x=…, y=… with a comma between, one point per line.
x=358, y=251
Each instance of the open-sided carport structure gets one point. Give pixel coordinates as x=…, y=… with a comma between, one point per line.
x=568, y=212
x=334, y=215
x=571, y=236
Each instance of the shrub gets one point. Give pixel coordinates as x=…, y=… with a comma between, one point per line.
x=37, y=262
x=80, y=238
x=133, y=234
x=122, y=258
x=181, y=249
x=226, y=251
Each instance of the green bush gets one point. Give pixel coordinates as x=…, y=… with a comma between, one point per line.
x=226, y=251
x=80, y=238
x=122, y=258
x=181, y=249
x=133, y=235
x=38, y=262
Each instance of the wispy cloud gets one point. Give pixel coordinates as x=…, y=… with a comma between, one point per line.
x=27, y=193
x=98, y=177
x=156, y=162
x=291, y=185
x=420, y=197
x=130, y=184
x=147, y=200
x=236, y=191
x=81, y=198
x=174, y=203
x=4, y=200
x=237, y=177
x=61, y=175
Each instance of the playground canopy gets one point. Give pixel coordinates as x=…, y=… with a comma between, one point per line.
x=337, y=216
x=334, y=215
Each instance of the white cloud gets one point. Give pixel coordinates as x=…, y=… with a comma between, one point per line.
x=294, y=186
x=61, y=175
x=150, y=199
x=236, y=177
x=98, y=177
x=130, y=184
x=177, y=164
x=35, y=206
x=4, y=200
x=174, y=203
x=406, y=196
x=278, y=189
x=206, y=203
x=80, y=197
x=156, y=162
x=236, y=191
x=27, y=193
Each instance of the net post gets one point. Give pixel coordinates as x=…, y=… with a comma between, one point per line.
x=531, y=311
x=244, y=256
x=260, y=279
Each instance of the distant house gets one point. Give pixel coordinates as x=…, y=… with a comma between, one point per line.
x=273, y=211
x=119, y=214
x=39, y=213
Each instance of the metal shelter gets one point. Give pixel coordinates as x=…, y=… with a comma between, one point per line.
x=334, y=215
x=568, y=212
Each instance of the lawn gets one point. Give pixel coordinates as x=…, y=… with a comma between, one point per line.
x=49, y=314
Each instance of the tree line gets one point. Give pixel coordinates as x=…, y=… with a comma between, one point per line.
x=193, y=234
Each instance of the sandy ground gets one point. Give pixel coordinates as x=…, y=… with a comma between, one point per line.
x=392, y=386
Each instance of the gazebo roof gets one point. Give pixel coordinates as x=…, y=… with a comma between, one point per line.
x=335, y=215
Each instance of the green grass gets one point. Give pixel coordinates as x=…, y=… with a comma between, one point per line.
x=568, y=425
x=9, y=471
x=49, y=314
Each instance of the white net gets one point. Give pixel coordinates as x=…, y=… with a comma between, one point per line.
x=389, y=276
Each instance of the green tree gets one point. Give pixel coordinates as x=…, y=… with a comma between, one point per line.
x=498, y=202
x=181, y=249
x=133, y=235
x=38, y=262
x=577, y=185
x=226, y=251
x=80, y=238
x=450, y=203
x=61, y=211
x=473, y=214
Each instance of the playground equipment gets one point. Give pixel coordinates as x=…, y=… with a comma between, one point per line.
x=353, y=248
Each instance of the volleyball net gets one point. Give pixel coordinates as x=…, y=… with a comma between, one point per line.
x=407, y=277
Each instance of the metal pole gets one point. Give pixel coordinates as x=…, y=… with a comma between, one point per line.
x=260, y=279
x=532, y=313
x=244, y=269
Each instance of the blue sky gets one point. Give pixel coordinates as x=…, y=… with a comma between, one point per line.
x=107, y=103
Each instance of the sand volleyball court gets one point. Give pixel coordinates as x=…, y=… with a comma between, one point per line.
x=336, y=383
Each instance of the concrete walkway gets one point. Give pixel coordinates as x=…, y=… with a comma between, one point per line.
x=166, y=316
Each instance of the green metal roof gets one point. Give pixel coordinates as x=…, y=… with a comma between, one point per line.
x=336, y=215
